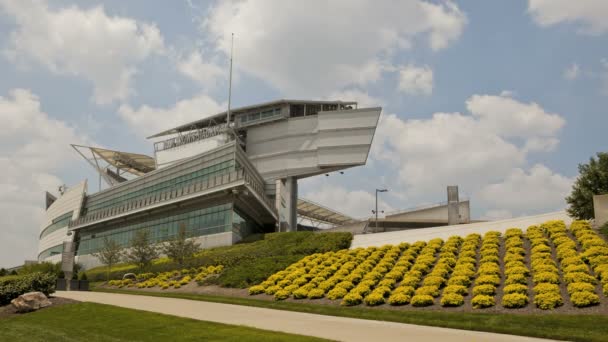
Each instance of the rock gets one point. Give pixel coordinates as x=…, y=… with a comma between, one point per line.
x=30, y=301
x=129, y=276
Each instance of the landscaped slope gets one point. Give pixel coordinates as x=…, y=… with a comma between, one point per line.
x=544, y=266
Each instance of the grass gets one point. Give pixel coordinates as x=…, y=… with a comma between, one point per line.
x=554, y=326
x=245, y=264
x=111, y=323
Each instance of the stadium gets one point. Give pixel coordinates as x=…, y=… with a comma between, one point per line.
x=222, y=178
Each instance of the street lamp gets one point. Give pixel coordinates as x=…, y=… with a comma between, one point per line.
x=376, y=211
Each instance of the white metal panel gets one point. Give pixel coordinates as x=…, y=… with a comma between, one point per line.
x=71, y=200
x=359, y=118
x=167, y=157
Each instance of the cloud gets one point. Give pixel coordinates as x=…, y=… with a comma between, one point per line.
x=315, y=47
x=362, y=98
x=535, y=191
x=34, y=147
x=572, y=72
x=468, y=150
x=416, y=80
x=206, y=73
x=147, y=120
x=591, y=15
x=87, y=43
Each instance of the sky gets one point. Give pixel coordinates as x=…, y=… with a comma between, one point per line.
x=502, y=98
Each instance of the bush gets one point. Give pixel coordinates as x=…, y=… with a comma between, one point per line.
x=433, y=281
x=374, y=298
x=459, y=280
x=254, y=290
x=422, y=300
x=484, y=290
x=352, y=299
x=337, y=293
x=546, y=287
x=12, y=287
x=580, y=287
x=452, y=299
x=516, y=288
x=399, y=298
x=300, y=293
x=516, y=279
x=488, y=279
x=281, y=295
x=316, y=293
x=407, y=290
x=584, y=298
x=546, y=277
x=432, y=291
x=514, y=300
x=483, y=301
x=579, y=277
x=548, y=300
x=457, y=289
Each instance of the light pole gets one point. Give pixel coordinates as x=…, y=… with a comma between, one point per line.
x=376, y=224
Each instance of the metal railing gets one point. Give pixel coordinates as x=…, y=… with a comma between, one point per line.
x=196, y=135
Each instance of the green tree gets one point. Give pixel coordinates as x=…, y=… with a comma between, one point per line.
x=110, y=254
x=3, y=272
x=141, y=250
x=180, y=249
x=592, y=180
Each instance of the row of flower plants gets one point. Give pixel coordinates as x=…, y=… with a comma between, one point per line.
x=165, y=280
x=545, y=274
x=595, y=251
x=463, y=273
x=488, y=273
x=515, y=289
x=575, y=273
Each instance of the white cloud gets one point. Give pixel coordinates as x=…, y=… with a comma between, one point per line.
x=33, y=148
x=206, y=73
x=468, y=150
x=415, y=80
x=592, y=15
x=310, y=48
x=362, y=98
x=534, y=191
x=147, y=120
x=572, y=72
x=87, y=43
x=356, y=203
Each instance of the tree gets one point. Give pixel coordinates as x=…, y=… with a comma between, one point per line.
x=592, y=180
x=3, y=272
x=110, y=254
x=141, y=251
x=180, y=249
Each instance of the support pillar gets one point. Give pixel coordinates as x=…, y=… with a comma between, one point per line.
x=453, y=206
x=292, y=185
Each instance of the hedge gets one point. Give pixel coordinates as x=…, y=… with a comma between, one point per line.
x=12, y=287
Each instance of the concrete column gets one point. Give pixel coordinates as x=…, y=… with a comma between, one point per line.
x=600, y=207
x=292, y=186
x=453, y=206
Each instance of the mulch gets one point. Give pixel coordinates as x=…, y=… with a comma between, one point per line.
x=8, y=311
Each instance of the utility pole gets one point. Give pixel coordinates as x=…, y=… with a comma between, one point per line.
x=376, y=223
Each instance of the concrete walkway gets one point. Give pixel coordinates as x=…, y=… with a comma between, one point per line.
x=329, y=327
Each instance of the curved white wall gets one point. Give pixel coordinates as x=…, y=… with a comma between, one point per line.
x=71, y=200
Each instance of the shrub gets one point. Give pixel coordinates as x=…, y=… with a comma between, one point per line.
x=347, y=285
x=257, y=289
x=433, y=281
x=422, y=300
x=546, y=287
x=457, y=289
x=300, y=293
x=281, y=295
x=351, y=299
x=452, y=299
x=514, y=300
x=484, y=290
x=12, y=287
x=584, y=298
x=548, y=300
x=516, y=279
x=576, y=268
x=399, y=298
x=337, y=293
x=546, y=277
x=516, y=288
x=374, y=298
x=483, y=301
x=580, y=287
x=459, y=280
x=489, y=269
x=428, y=290
x=316, y=293
x=579, y=277
x=410, y=281
x=407, y=290
x=488, y=279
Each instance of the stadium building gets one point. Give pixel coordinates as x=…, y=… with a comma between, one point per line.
x=220, y=180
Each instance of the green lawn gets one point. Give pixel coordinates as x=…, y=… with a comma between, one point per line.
x=554, y=326
x=98, y=322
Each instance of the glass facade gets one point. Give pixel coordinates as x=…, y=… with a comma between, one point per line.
x=198, y=222
x=259, y=116
x=50, y=252
x=58, y=223
x=174, y=183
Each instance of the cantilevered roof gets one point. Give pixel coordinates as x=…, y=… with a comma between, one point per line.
x=221, y=117
x=314, y=211
x=125, y=162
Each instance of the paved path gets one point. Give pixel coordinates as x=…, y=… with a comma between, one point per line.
x=330, y=327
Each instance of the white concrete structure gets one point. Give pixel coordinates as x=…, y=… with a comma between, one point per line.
x=600, y=208
x=425, y=234
x=432, y=212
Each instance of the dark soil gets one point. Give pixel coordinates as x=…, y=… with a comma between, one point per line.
x=8, y=311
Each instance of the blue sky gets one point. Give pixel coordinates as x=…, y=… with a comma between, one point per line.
x=501, y=98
